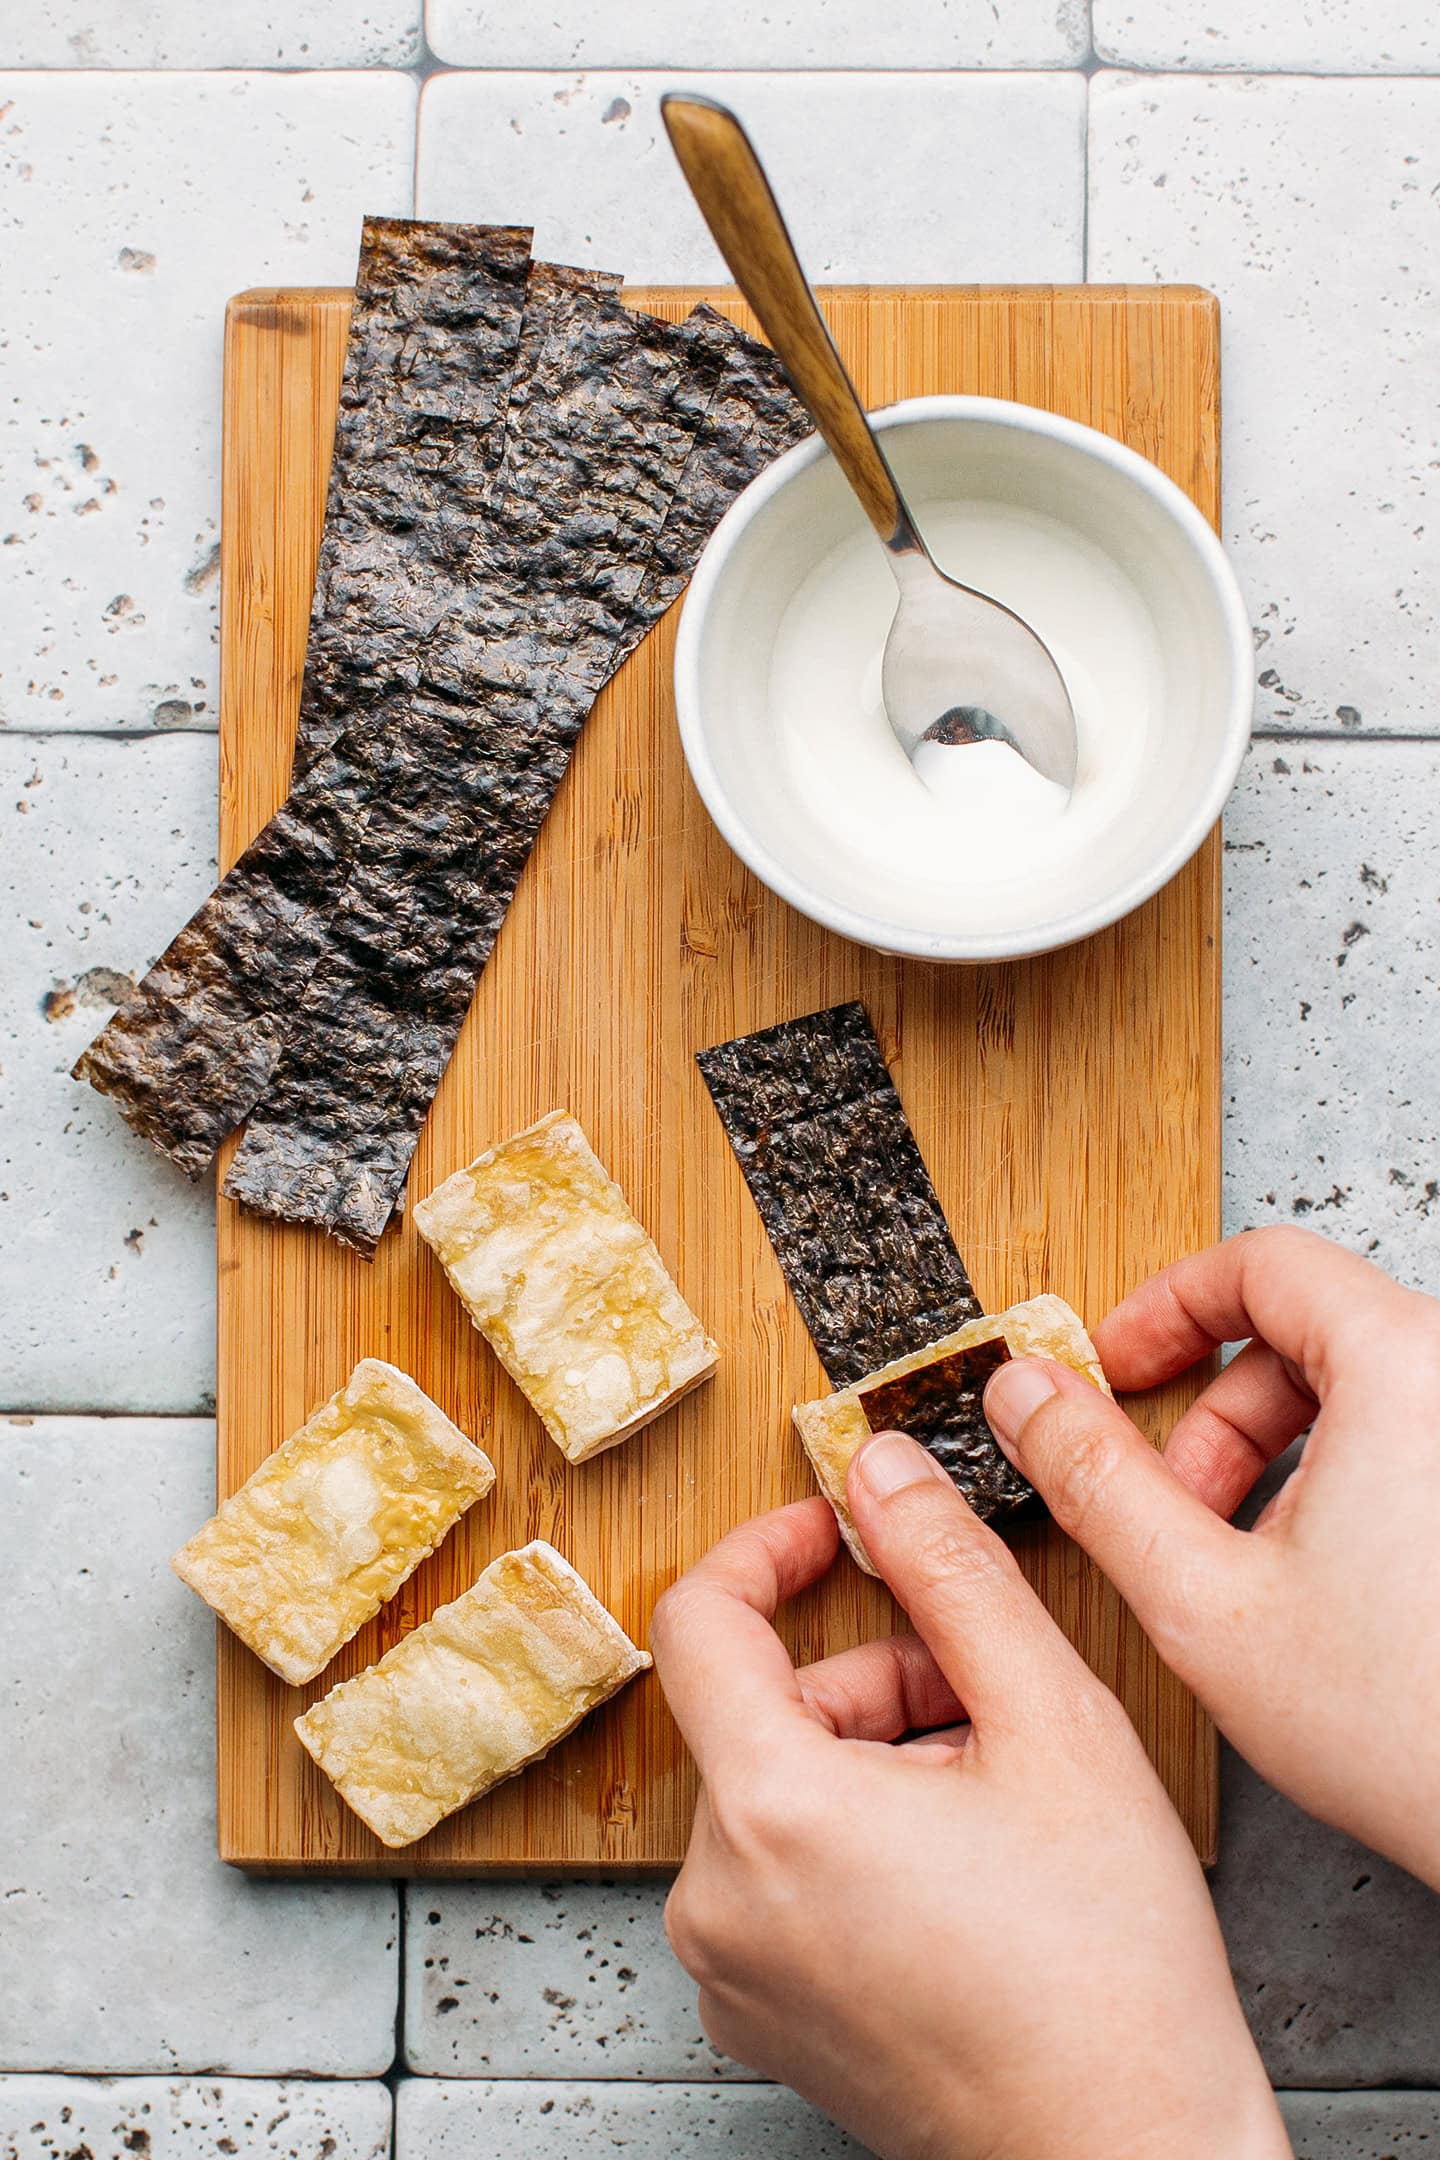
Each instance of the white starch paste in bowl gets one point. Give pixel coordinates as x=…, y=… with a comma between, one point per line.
x=948, y=844
x=777, y=678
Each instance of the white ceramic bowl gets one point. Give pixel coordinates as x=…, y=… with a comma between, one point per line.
x=948, y=451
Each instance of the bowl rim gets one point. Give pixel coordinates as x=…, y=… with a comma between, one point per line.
x=1067, y=927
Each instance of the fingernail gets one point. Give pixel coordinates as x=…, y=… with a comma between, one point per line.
x=1013, y=1396
x=891, y=1461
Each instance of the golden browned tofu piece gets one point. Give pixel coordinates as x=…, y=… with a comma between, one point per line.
x=486, y=1686
x=333, y=1522
x=836, y=1426
x=566, y=1287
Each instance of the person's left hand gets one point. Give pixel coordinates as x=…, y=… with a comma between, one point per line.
x=993, y=1942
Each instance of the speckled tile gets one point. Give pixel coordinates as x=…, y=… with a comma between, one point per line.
x=584, y=157
x=1336, y=1955
x=1362, y=2125
x=568, y=1980
x=137, y=2118
x=1328, y=37
x=126, y=1943
x=694, y=34
x=458, y=2121
x=242, y=33
x=1332, y=997
x=131, y=208
x=106, y=1251
x=1309, y=206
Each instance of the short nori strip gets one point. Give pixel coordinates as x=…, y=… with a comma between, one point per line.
x=828, y=1154
x=940, y=1406
x=606, y=406
x=188, y=1056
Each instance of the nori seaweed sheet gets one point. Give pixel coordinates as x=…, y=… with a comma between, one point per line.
x=188, y=1056
x=752, y=417
x=429, y=364
x=191, y=1052
x=827, y=1151
x=606, y=406
x=940, y=1406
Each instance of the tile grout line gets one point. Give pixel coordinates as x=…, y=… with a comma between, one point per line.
x=429, y=66
x=1264, y=732
x=1085, y=155
x=398, y=2073
x=23, y=1418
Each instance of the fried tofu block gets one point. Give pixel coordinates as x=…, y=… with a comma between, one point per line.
x=334, y=1521
x=565, y=1286
x=934, y=1394
x=486, y=1686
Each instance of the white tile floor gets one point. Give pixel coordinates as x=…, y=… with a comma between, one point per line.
x=106, y=1257
x=124, y=232
x=140, y=2118
x=126, y=1944
x=154, y=159
x=1309, y=206
x=548, y=1980
x=584, y=158
x=910, y=34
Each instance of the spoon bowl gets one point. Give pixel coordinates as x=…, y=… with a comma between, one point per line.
x=945, y=632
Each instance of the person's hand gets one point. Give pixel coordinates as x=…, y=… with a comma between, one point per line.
x=1314, y=1639
x=992, y=1942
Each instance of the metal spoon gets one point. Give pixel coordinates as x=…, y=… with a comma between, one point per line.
x=959, y=667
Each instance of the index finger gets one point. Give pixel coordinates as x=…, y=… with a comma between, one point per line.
x=1307, y=1298
x=726, y=1674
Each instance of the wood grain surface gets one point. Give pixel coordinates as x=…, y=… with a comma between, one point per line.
x=1068, y=1109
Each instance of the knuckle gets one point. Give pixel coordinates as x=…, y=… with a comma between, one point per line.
x=689, y=1933
x=1277, y=1239
x=753, y=1818
x=726, y=2033
x=1198, y=1619
x=1098, y=1720
x=668, y=1619
x=1085, y=1457
x=1422, y=1318
x=959, y=1555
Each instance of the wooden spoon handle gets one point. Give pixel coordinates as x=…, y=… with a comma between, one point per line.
x=728, y=182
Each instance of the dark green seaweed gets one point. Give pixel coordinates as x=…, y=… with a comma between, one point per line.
x=828, y=1154
x=188, y=1056
x=827, y=1151
x=604, y=408
x=940, y=1406
x=627, y=440
x=433, y=348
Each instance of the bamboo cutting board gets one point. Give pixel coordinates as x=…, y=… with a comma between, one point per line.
x=1068, y=1109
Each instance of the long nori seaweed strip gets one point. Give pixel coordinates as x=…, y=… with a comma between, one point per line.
x=827, y=1151
x=941, y=1406
x=418, y=926
x=188, y=1056
x=429, y=365
x=606, y=405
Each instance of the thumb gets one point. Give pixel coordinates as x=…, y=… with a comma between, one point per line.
x=989, y=1633
x=1166, y=1553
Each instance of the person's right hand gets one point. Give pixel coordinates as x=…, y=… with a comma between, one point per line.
x=1313, y=1640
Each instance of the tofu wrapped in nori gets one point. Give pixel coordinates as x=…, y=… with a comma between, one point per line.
x=935, y=1396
